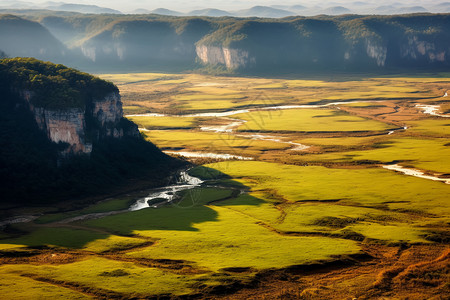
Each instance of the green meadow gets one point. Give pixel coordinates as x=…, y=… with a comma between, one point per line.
x=424, y=154
x=325, y=202
x=315, y=120
x=211, y=142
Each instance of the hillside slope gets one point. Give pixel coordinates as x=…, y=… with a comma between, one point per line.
x=354, y=43
x=21, y=37
x=251, y=45
x=63, y=135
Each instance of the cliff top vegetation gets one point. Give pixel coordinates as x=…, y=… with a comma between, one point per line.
x=53, y=86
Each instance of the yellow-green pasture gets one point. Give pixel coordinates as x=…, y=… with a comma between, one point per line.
x=193, y=92
x=439, y=127
x=315, y=206
x=14, y=285
x=304, y=120
x=211, y=142
x=214, y=238
x=94, y=273
x=349, y=203
x=164, y=122
x=356, y=187
x=425, y=154
x=197, y=234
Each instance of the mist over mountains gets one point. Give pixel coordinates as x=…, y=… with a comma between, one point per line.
x=261, y=8
x=224, y=44
x=297, y=44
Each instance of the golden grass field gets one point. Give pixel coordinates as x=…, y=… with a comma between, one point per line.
x=312, y=215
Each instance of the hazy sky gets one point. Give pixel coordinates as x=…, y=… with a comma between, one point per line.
x=187, y=5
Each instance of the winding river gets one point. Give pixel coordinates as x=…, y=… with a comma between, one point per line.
x=415, y=173
x=233, y=124
x=244, y=111
x=432, y=110
x=168, y=193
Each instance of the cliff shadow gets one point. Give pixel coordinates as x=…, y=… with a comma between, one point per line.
x=171, y=217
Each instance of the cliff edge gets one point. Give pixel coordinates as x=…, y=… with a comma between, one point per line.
x=64, y=135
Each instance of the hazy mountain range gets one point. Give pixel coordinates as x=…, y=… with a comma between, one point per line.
x=295, y=44
x=237, y=9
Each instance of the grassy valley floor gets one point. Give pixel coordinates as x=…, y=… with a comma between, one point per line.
x=298, y=201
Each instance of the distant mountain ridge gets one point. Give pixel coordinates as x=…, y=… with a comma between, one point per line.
x=59, y=6
x=82, y=8
x=21, y=37
x=259, y=10
x=246, y=45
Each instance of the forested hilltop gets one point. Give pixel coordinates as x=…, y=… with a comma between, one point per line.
x=246, y=45
x=64, y=136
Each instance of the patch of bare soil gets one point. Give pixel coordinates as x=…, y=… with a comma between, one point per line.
x=417, y=272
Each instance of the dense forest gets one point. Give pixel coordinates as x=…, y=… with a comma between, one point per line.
x=54, y=86
x=32, y=169
x=247, y=45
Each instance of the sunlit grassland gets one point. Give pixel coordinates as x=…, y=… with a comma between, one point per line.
x=357, y=187
x=338, y=141
x=205, y=101
x=15, y=286
x=210, y=142
x=439, y=127
x=335, y=219
x=210, y=237
x=426, y=154
x=93, y=272
x=164, y=122
x=308, y=120
x=295, y=208
x=417, y=79
x=128, y=78
x=226, y=239
x=163, y=92
x=339, y=202
x=220, y=101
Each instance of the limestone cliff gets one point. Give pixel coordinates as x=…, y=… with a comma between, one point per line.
x=231, y=58
x=64, y=136
x=69, y=126
x=417, y=48
x=377, y=52
x=303, y=44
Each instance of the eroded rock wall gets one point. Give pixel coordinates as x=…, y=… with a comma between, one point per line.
x=231, y=58
x=70, y=126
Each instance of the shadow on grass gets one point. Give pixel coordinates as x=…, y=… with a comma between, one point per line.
x=191, y=210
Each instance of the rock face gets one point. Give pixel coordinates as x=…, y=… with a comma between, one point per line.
x=413, y=51
x=365, y=43
x=416, y=48
x=79, y=128
x=65, y=127
x=376, y=52
x=63, y=136
x=231, y=58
